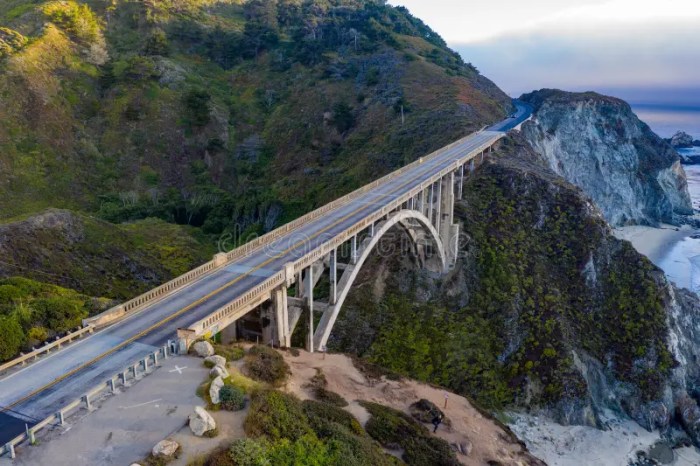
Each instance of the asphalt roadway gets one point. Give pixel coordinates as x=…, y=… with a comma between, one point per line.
x=40, y=389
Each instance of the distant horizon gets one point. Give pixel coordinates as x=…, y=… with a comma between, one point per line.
x=647, y=54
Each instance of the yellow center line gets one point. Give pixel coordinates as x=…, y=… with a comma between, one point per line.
x=193, y=304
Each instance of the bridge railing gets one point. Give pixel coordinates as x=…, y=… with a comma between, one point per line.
x=262, y=292
x=56, y=344
x=140, y=302
x=58, y=418
x=267, y=238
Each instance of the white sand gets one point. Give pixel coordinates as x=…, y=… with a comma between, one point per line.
x=561, y=445
x=653, y=242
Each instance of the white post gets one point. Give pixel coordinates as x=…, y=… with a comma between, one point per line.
x=371, y=230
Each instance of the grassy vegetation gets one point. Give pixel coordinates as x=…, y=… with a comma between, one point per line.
x=267, y=365
x=282, y=430
x=32, y=313
x=182, y=110
x=394, y=429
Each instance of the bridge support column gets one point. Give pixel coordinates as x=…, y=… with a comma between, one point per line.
x=284, y=337
x=310, y=300
x=431, y=197
x=471, y=166
x=353, y=250
x=333, y=265
x=438, y=216
x=460, y=187
x=448, y=231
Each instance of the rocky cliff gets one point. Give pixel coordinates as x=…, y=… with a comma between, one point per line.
x=545, y=310
x=597, y=143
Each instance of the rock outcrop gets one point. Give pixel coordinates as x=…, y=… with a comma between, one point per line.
x=165, y=449
x=218, y=371
x=681, y=140
x=203, y=349
x=215, y=390
x=216, y=360
x=598, y=144
x=200, y=421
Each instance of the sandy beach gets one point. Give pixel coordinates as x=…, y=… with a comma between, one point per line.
x=669, y=247
x=561, y=445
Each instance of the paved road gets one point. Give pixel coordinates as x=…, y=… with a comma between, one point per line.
x=24, y=391
x=522, y=113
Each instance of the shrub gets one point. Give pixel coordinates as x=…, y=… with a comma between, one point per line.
x=317, y=412
x=232, y=398
x=77, y=20
x=208, y=364
x=267, y=365
x=329, y=397
x=394, y=428
x=276, y=415
x=231, y=353
x=212, y=433
x=12, y=337
x=248, y=452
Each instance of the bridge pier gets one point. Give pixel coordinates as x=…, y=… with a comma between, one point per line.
x=310, y=305
x=333, y=265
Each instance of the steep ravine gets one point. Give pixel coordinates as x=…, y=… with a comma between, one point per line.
x=545, y=311
x=597, y=143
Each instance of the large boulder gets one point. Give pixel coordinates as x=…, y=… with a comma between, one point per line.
x=165, y=449
x=201, y=421
x=216, y=360
x=215, y=389
x=219, y=371
x=203, y=349
x=681, y=140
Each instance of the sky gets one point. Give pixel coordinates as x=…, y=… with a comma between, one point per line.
x=644, y=51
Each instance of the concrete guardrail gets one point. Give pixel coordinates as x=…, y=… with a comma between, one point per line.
x=59, y=418
x=34, y=355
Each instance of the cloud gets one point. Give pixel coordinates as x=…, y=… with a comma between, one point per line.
x=628, y=56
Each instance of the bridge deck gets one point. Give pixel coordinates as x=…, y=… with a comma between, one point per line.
x=33, y=392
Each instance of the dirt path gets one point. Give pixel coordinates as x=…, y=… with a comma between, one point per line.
x=489, y=441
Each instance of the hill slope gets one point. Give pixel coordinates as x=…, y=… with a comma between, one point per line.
x=223, y=114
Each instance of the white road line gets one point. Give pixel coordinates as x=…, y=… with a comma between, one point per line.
x=141, y=404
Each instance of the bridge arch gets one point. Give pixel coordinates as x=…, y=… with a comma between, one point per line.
x=415, y=223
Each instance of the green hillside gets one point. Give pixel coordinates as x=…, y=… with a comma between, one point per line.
x=229, y=115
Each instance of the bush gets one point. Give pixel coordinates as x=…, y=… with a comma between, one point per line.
x=329, y=397
x=276, y=415
x=267, y=365
x=231, y=353
x=319, y=412
x=248, y=452
x=232, y=398
x=211, y=433
x=394, y=428
x=12, y=337
x=77, y=20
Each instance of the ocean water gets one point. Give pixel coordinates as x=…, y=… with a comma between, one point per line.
x=675, y=260
x=665, y=120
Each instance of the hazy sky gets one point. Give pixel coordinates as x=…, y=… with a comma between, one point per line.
x=638, y=49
